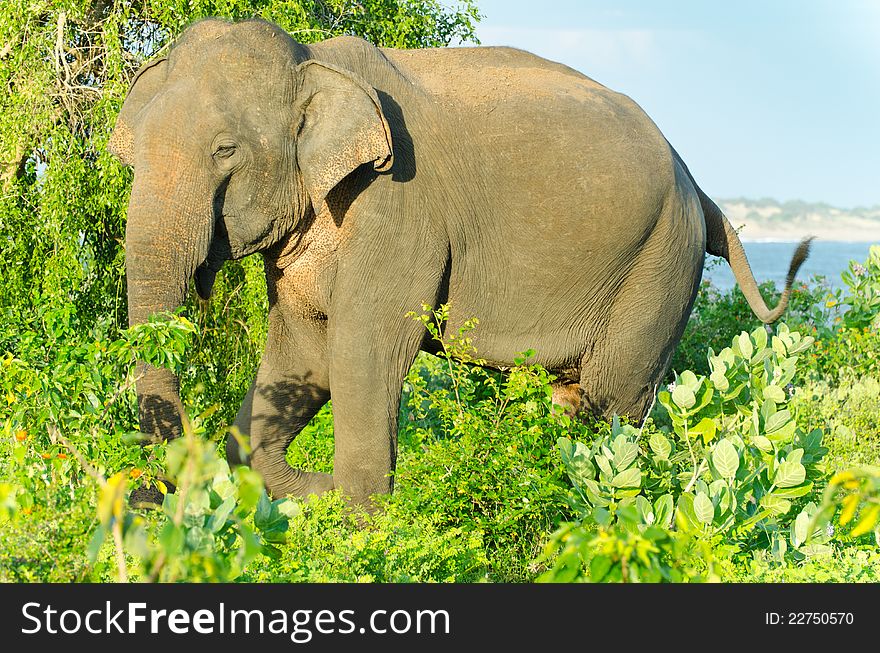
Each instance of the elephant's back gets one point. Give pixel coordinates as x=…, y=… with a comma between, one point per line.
x=485, y=76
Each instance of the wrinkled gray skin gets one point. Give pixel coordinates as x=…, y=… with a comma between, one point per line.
x=372, y=181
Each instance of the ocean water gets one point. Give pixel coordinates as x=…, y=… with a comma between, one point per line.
x=769, y=261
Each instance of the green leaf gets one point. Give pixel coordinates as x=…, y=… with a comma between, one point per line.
x=624, y=453
x=631, y=477
x=660, y=445
x=799, y=529
x=685, y=517
x=745, y=345
x=725, y=458
x=703, y=508
x=775, y=393
x=95, y=543
x=690, y=380
x=719, y=380
x=221, y=514
x=663, y=511
x=759, y=335
x=776, y=421
x=599, y=567
x=763, y=443
x=789, y=474
x=793, y=492
x=775, y=504
x=646, y=510
x=576, y=458
x=604, y=465
x=683, y=397
x=705, y=428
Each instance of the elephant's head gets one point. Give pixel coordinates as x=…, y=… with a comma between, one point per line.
x=235, y=137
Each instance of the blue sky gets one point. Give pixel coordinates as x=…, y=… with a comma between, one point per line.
x=779, y=98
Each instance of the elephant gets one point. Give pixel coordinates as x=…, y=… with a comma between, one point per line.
x=374, y=181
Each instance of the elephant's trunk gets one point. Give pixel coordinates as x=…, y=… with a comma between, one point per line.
x=166, y=238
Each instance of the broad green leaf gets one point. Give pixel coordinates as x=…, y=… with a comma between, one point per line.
x=221, y=514
x=705, y=428
x=690, y=380
x=660, y=445
x=599, y=567
x=576, y=458
x=719, y=380
x=745, y=345
x=624, y=453
x=775, y=504
x=725, y=458
x=631, y=477
x=763, y=443
x=604, y=465
x=799, y=529
x=759, y=335
x=793, y=492
x=646, y=510
x=685, y=516
x=703, y=508
x=683, y=397
x=777, y=421
x=789, y=474
x=663, y=511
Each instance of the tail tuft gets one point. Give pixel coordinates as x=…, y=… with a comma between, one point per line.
x=800, y=255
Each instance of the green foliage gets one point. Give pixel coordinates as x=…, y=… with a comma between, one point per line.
x=329, y=542
x=848, y=413
x=811, y=309
x=863, y=296
x=729, y=476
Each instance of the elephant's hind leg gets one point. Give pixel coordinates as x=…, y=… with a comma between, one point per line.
x=621, y=373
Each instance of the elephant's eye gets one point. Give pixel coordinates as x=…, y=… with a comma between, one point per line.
x=224, y=151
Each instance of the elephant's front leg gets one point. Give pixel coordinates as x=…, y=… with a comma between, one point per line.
x=372, y=345
x=290, y=388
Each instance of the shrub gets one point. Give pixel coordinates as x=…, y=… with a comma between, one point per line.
x=850, y=416
x=716, y=315
x=728, y=473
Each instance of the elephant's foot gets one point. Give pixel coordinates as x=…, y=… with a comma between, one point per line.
x=298, y=483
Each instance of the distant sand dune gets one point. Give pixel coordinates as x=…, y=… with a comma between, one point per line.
x=768, y=220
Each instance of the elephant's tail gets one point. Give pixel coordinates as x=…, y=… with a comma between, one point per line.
x=722, y=240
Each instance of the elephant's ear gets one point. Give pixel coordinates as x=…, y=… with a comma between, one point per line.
x=144, y=86
x=342, y=127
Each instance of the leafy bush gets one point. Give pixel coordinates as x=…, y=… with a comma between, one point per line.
x=849, y=414
x=863, y=296
x=328, y=542
x=728, y=473
x=716, y=315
